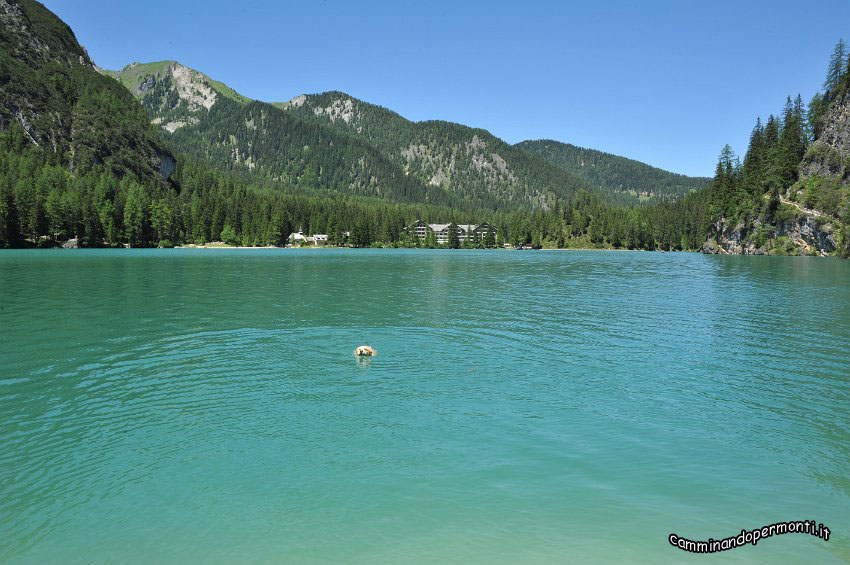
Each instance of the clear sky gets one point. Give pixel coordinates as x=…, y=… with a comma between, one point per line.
x=665, y=82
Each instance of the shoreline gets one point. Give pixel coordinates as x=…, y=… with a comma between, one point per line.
x=314, y=248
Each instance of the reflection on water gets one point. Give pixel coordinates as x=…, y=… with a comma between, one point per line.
x=525, y=407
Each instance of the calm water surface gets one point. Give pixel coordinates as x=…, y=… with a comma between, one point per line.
x=537, y=407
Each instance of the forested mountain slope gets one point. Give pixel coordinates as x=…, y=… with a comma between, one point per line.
x=443, y=154
x=218, y=126
x=613, y=173
x=49, y=86
x=333, y=141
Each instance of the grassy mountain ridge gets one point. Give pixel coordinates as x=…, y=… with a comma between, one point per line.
x=613, y=172
x=230, y=132
x=133, y=74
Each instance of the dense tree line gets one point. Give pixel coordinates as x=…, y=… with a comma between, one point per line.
x=612, y=172
x=770, y=166
x=43, y=203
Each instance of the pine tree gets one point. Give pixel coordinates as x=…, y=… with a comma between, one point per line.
x=361, y=233
x=817, y=106
x=454, y=240
x=430, y=239
x=9, y=231
x=56, y=215
x=774, y=159
x=726, y=185
x=134, y=217
x=753, y=170
x=490, y=238
x=837, y=68
x=792, y=145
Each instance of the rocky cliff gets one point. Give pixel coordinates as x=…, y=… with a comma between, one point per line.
x=794, y=234
x=829, y=155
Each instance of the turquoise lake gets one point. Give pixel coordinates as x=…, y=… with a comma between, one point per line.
x=182, y=406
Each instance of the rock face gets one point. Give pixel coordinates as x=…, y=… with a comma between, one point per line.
x=193, y=87
x=829, y=156
x=174, y=94
x=801, y=235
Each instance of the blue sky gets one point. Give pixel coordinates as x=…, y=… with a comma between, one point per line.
x=665, y=82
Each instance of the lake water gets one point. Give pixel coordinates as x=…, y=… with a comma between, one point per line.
x=537, y=407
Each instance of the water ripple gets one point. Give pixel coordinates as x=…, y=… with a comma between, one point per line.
x=523, y=407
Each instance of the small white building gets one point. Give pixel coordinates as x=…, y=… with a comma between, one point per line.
x=320, y=239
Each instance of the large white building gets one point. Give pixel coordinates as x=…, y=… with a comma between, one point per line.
x=465, y=232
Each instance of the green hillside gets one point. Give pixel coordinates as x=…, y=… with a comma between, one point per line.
x=614, y=173
x=216, y=125
x=460, y=159
x=316, y=137
x=335, y=142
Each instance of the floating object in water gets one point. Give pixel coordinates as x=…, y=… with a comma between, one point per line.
x=365, y=351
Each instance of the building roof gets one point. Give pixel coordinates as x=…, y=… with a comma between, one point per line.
x=463, y=228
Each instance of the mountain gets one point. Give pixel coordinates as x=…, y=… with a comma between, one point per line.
x=84, y=159
x=442, y=154
x=613, y=173
x=213, y=123
x=313, y=140
x=333, y=141
x=81, y=164
x=50, y=87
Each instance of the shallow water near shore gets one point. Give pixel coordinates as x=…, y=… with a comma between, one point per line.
x=191, y=405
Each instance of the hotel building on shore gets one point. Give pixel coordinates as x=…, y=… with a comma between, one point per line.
x=465, y=232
